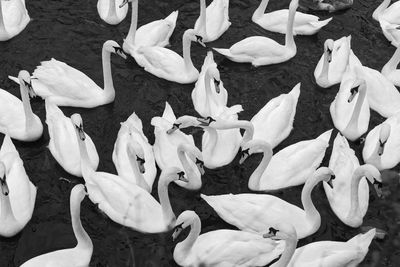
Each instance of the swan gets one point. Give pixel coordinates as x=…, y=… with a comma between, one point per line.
x=13, y=18
x=389, y=13
x=66, y=86
x=260, y=50
x=276, y=21
x=167, y=64
x=332, y=65
x=17, y=119
x=63, y=144
x=350, y=109
x=111, y=11
x=383, y=97
x=18, y=194
x=81, y=254
x=155, y=33
x=177, y=149
x=222, y=247
x=274, y=122
x=390, y=71
x=124, y=202
x=213, y=20
x=349, y=195
x=131, y=131
x=382, y=144
x=209, y=95
x=289, y=167
x=328, y=5
x=390, y=31
x=252, y=212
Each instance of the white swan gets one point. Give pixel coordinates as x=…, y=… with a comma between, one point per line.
x=124, y=202
x=17, y=118
x=350, y=109
x=349, y=195
x=390, y=70
x=390, y=31
x=81, y=254
x=155, y=33
x=276, y=21
x=213, y=20
x=222, y=247
x=383, y=96
x=167, y=64
x=67, y=86
x=382, y=144
x=274, y=122
x=13, y=18
x=328, y=5
x=131, y=131
x=209, y=95
x=253, y=212
x=291, y=166
x=332, y=65
x=18, y=194
x=63, y=144
x=111, y=12
x=389, y=13
x=260, y=50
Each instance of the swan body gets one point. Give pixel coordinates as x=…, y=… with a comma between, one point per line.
x=213, y=20
x=349, y=195
x=332, y=65
x=63, y=144
x=132, y=131
x=390, y=70
x=350, y=109
x=81, y=254
x=328, y=5
x=18, y=194
x=67, y=86
x=16, y=116
x=13, y=18
x=111, y=12
x=167, y=64
x=209, y=95
x=291, y=166
x=259, y=50
x=155, y=33
x=390, y=31
x=383, y=96
x=382, y=144
x=389, y=13
x=276, y=21
x=274, y=122
x=222, y=247
x=124, y=202
x=253, y=212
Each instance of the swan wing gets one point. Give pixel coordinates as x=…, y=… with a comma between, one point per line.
x=12, y=115
x=61, y=258
x=161, y=60
x=257, y=47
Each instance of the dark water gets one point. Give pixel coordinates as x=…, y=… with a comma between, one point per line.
x=71, y=31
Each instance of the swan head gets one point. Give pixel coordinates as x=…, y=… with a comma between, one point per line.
x=206, y=122
x=253, y=146
x=213, y=73
x=185, y=219
x=173, y=174
x=323, y=174
x=373, y=176
x=196, y=156
x=328, y=47
x=3, y=183
x=25, y=80
x=185, y=122
x=194, y=36
x=384, y=134
x=281, y=231
x=135, y=150
x=78, y=123
x=113, y=47
x=357, y=85
x=78, y=192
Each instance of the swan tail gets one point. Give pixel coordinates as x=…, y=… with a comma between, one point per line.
x=134, y=122
x=14, y=79
x=326, y=136
x=321, y=23
x=168, y=113
x=362, y=241
x=172, y=18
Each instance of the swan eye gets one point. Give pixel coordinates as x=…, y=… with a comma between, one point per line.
x=199, y=38
x=4, y=186
x=199, y=162
x=245, y=152
x=333, y=177
x=217, y=82
x=139, y=159
x=273, y=231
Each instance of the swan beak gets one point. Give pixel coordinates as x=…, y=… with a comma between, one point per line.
x=329, y=55
x=353, y=92
x=217, y=83
x=175, y=127
x=378, y=188
x=82, y=135
x=199, y=39
x=141, y=165
x=244, y=155
x=330, y=183
x=205, y=122
x=381, y=148
x=123, y=3
x=181, y=177
x=271, y=233
x=177, y=231
x=4, y=186
x=120, y=52
x=200, y=166
x=31, y=92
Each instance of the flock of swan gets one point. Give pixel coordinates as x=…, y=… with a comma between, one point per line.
x=268, y=227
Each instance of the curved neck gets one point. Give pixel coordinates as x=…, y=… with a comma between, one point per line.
x=309, y=208
x=203, y=18
x=186, y=245
x=254, y=181
x=82, y=237
x=379, y=10
x=29, y=116
x=186, y=52
x=138, y=176
x=290, y=248
x=391, y=65
x=354, y=204
x=260, y=9
x=189, y=170
x=108, y=82
x=207, y=84
x=2, y=26
x=6, y=212
x=86, y=168
x=112, y=12
x=212, y=139
x=325, y=68
x=353, y=123
x=130, y=38
x=168, y=214
x=289, y=40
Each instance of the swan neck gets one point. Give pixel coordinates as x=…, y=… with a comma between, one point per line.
x=6, y=212
x=254, y=181
x=108, y=82
x=209, y=93
x=290, y=248
x=212, y=139
x=203, y=18
x=354, y=185
x=168, y=214
x=190, y=172
x=380, y=9
x=138, y=176
x=325, y=68
x=2, y=26
x=112, y=12
x=353, y=123
x=81, y=235
x=186, y=43
x=289, y=39
x=29, y=116
x=309, y=208
x=86, y=168
x=260, y=9
x=391, y=65
x=187, y=244
x=130, y=38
